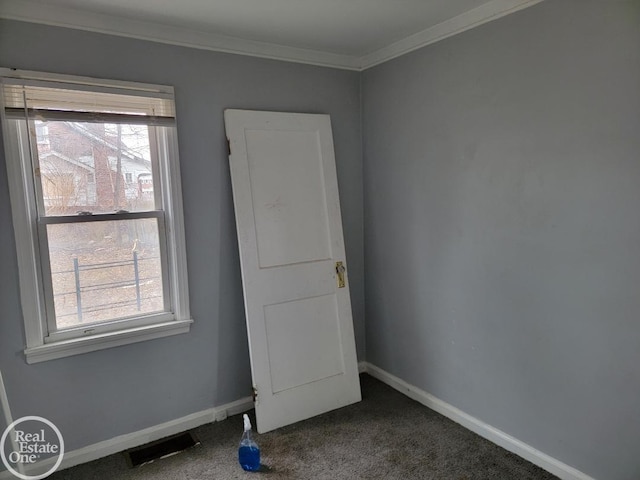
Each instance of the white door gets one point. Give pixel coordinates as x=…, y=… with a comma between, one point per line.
x=285, y=190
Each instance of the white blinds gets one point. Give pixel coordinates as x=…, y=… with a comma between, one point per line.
x=60, y=101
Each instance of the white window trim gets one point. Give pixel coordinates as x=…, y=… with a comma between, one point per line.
x=23, y=207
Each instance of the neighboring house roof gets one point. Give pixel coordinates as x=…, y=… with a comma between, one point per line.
x=126, y=151
x=77, y=163
x=128, y=156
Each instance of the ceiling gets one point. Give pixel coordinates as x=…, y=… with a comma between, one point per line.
x=352, y=34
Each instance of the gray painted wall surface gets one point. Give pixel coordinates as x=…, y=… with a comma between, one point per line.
x=502, y=227
x=99, y=395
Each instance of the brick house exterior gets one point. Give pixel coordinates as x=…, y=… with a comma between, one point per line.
x=84, y=167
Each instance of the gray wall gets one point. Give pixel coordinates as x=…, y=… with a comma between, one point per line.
x=99, y=395
x=502, y=227
x=502, y=236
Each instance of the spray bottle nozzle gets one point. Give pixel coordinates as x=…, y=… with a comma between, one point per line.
x=247, y=422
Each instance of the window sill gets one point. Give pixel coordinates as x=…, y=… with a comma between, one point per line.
x=76, y=346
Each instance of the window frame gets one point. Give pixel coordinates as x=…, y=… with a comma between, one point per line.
x=32, y=253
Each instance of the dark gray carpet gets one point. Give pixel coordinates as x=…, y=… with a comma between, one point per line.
x=386, y=436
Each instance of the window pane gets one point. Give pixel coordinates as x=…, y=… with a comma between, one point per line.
x=104, y=271
x=94, y=167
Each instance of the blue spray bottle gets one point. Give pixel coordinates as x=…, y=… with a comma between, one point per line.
x=249, y=452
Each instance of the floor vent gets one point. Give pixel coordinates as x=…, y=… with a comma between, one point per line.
x=160, y=449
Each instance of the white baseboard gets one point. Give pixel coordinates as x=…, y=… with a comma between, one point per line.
x=141, y=437
x=550, y=464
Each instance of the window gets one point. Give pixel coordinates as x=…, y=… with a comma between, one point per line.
x=102, y=255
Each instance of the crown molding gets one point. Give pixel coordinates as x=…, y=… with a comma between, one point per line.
x=484, y=13
x=27, y=11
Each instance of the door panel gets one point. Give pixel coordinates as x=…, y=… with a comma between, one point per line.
x=314, y=324
x=287, y=185
x=299, y=322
